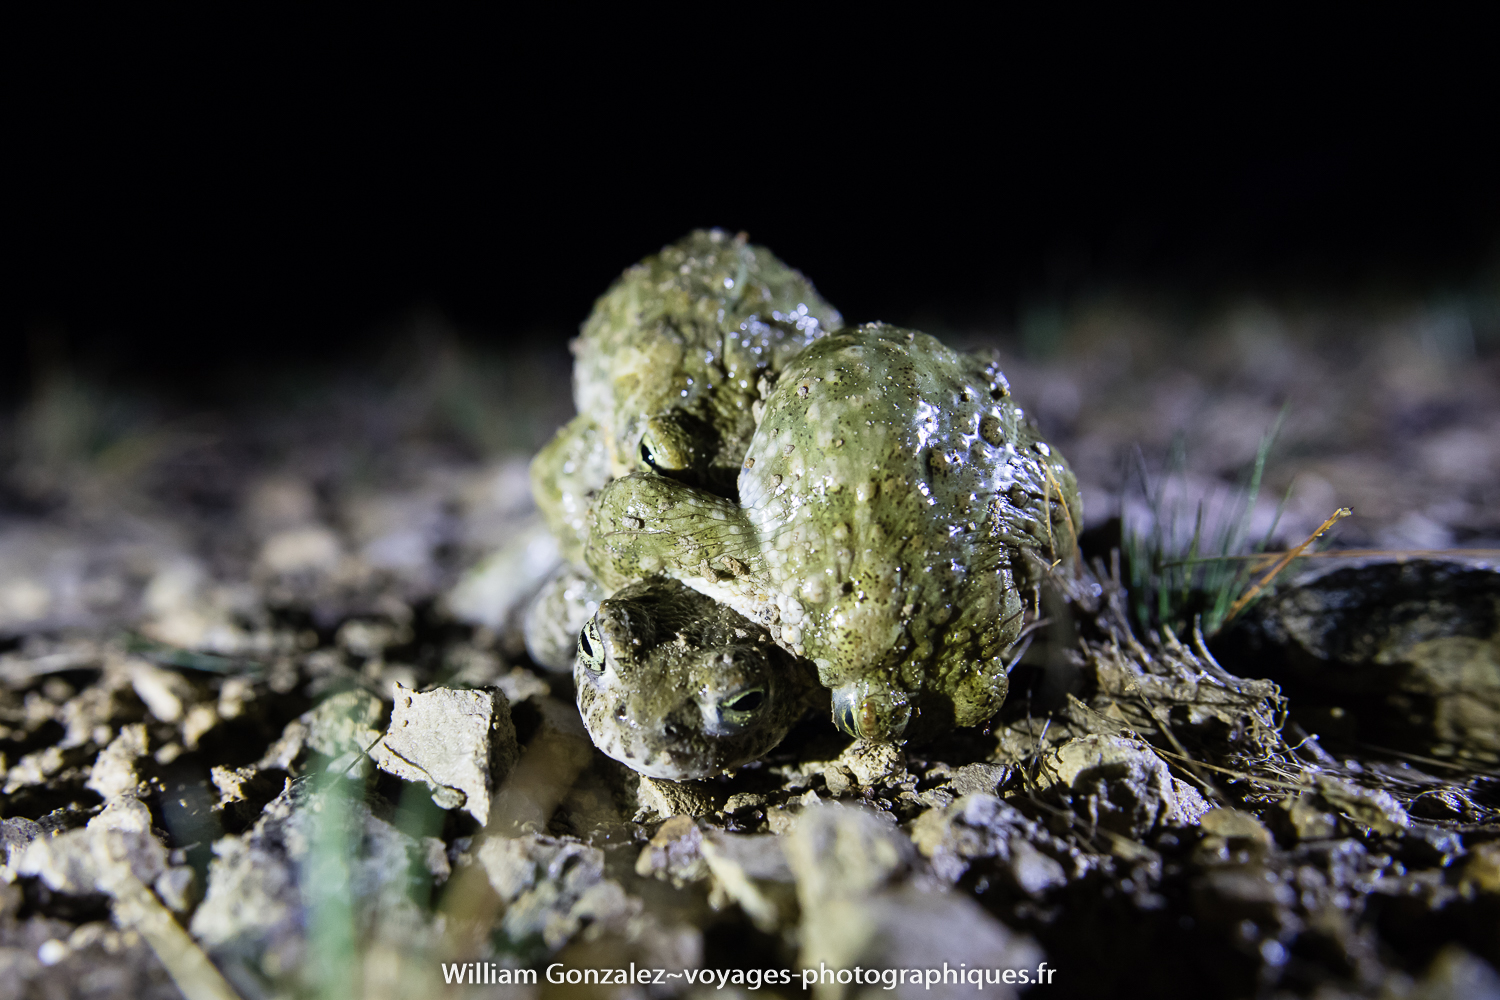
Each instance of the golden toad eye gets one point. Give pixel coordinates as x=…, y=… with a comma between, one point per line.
x=747, y=702
x=648, y=455
x=667, y=446
x=741, y=706
x=591, y=648
x=843, y=718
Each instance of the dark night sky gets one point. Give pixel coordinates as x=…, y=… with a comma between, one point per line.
x=194, y=200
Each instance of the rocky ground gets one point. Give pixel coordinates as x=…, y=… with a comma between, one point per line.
x=269, y=729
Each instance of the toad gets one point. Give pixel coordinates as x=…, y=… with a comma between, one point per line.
x=678, y=686
x=670, y=368
x=893, y=503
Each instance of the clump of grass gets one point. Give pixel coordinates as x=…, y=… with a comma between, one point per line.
x=1176, y=586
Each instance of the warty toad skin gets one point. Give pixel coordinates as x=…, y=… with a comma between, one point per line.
x=678, y=686
x=670, y=367
x=668, y=370
x=886, y=502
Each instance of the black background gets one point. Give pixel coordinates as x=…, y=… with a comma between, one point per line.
x=193, y=199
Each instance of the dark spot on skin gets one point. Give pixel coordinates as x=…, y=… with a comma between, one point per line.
x=989, y=429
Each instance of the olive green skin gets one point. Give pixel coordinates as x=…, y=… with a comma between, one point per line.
x=557, y=614
x=678, y=686
x=675, y=356
x=886, y=504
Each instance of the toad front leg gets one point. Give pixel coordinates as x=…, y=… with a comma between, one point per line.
x=646, y=525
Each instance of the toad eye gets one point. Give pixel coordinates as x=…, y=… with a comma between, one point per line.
x=648, y=454
x=658, y=454
x=843, y=717
x=667, y=446
x=591, y=648
x=740, y=707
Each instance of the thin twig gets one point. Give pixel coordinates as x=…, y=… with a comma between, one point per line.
x=1047, y=512
x=1204, y=656
x=1025, y=642
x=137, y=908
x=1166, y=727
x=1242, y=775
x=1281, y=564
x=1347, y=554
x=1431, y=760
x=1036, y=749
x=1091, y=834
x=1032, y=627
x=1067, y=514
